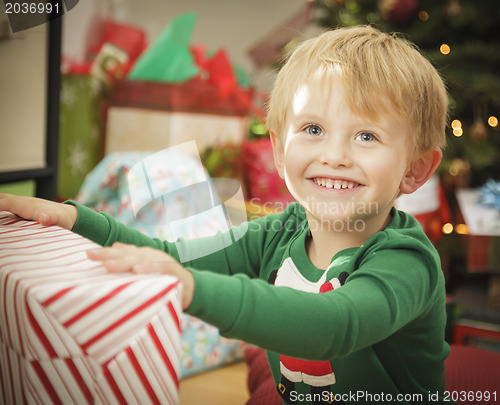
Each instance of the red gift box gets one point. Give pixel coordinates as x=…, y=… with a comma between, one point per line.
x=483, y=253
x=70, y=332
x=477, y=333
x=184, y=97
x=263, y=184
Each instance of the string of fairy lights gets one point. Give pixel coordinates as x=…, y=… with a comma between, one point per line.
x=458, y=131
x=456, y=125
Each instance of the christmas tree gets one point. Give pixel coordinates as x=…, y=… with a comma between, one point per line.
x=462, y=39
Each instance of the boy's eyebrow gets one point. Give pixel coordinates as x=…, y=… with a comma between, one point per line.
x=306, y=115
x=309, y=113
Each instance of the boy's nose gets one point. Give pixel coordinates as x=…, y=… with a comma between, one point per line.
x=336, y=154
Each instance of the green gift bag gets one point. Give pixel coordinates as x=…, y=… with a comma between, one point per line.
x=81, y=131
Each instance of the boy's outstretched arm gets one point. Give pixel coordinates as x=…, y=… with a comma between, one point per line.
x=44, y=211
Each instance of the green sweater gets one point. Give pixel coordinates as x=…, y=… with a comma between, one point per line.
x=382, y=331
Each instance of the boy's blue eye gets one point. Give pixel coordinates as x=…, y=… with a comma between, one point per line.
x=314, y=130
x=366, y=136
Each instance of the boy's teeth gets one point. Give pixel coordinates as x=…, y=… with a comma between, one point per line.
x=335, y=184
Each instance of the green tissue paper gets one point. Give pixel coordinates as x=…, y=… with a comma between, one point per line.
x=168, y=58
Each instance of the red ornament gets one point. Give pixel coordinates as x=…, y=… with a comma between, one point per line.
x=398, y=12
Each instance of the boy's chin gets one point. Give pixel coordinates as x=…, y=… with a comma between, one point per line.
x=319, y=222
x=333, y=210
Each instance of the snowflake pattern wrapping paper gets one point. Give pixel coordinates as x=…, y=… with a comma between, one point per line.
x=72, y=333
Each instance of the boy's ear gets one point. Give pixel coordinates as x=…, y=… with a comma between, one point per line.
x=278, y=153
x=420, y=170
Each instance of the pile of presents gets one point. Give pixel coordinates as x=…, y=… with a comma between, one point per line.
x=133, y=96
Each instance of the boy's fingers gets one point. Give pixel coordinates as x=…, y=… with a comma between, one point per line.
x=47, y=219
x=122, y=245
x=119, y=265
x=136, y=264
x=106, y=253
x=5, y=201
x=122, y=257
x=35, y=209
x=143, y=268
x=164, y=266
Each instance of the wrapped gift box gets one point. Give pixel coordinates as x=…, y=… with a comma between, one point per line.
x=72, y=333
x=264, y=186
x=483, y=239
x=485, y=335
x=152, y=116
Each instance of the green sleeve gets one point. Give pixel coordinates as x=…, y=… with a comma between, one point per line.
x=104, y=230
x=237, y=251
x=387, y=292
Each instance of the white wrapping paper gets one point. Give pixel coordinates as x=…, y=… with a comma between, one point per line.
x=72, y=333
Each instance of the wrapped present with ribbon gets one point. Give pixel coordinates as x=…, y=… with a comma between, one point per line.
x=72, y=333
x=113, y=56
x=489, y=194
x=480, y=210
x=177, y=92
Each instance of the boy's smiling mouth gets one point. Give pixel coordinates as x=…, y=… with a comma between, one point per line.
x=337, y=184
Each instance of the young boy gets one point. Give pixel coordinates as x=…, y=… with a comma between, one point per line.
x=344, y=292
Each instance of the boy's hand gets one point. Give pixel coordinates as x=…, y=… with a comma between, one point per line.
x=122, y=257
x=36, y=209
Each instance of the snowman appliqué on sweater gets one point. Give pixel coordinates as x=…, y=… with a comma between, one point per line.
x=318, y=375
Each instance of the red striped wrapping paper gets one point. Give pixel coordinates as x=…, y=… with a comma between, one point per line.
x=72, y=333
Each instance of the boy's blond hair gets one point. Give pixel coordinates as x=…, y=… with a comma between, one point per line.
x=375, y=68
